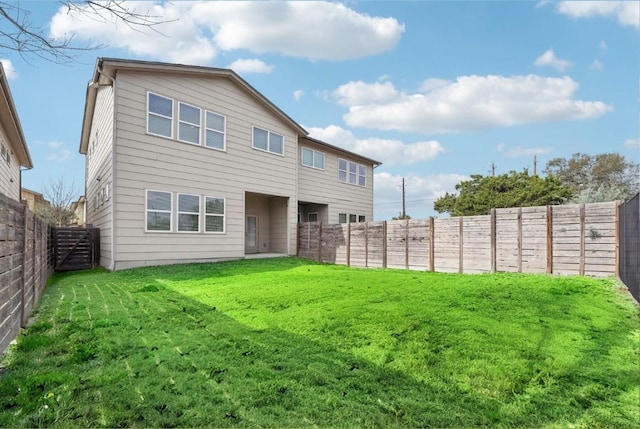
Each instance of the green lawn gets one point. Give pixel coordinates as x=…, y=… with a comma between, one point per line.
x=290, y=343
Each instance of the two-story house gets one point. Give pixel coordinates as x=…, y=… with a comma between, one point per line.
x=193, y=164
x=14, y=153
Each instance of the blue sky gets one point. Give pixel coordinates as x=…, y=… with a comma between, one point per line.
x=436, y=91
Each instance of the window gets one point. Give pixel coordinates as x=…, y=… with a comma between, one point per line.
x=188, y=123
x=352, y=218
x=188, y=213
x=342, y=218
x=158, y=211
x=351, y=172
x=160, y=115
x=361, y=218
x=312, y=217
x=268, y=141
x=312, y=158
x=214, y=214
x=214, y=131
x=362, y=175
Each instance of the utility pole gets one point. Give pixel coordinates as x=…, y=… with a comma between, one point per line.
x=404, y=211
x=535, y=164
x=493, y=169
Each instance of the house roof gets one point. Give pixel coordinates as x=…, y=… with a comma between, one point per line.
x=11, y=123
x=107, y=68
x=339, y=149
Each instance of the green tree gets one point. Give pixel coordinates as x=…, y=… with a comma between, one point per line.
x=596, y=178
x=480, y=194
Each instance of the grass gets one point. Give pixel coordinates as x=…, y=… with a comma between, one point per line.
x=290, y=343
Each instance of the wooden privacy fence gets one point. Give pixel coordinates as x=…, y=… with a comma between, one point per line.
x=569, y=239
x=76, y=248
x=26, y=256
x=629, y=216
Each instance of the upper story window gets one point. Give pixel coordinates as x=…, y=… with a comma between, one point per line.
x=159, y=115
x=158, y=208
x=189, y=123
x=312, y=158
x=215, y=129
x=351, y=172
x=268, y=141
x=6, y=154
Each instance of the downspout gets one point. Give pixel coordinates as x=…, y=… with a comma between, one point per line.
x=112, y=192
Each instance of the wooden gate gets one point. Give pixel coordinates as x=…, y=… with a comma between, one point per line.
x=76, y=248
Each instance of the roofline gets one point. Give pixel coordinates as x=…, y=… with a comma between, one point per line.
x=339, y=149
x=101, y=76
x=22, y=151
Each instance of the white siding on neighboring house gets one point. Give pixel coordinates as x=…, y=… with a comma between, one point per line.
x=99, y=173
x=9, y=169
x=149, y=162
x=322, y=186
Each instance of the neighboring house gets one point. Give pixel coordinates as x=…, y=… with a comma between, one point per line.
x=79, y=211
x=14, y=153
x=34, y=200
x=192, y=164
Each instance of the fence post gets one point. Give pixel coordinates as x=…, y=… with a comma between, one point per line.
x=384, y=244
x=348, y=244
x=460, y=245
x=494, y=249
x=617, y=239
x=366, y=244
x=582, y=241
x=549, y=240
x=519, y=239
x=23, y=251
x=320, y=242
x=406, y=244
x=432, y=235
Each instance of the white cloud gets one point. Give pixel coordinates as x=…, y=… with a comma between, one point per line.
x=632, y=143
x=520, y=151
x=626, y=12
x=9, y=70
x=548, y=58
x=433, y=83
x=596, y=65
x=297, y=94
x=193, y=32
x=387, y=151
x=353, y=93
x=603, y=46
x=469, y=103
x=421, y=191
x=55, y=144
x=60, y=156
x=250, y=66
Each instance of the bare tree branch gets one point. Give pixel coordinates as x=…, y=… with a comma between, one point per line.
x=19, y=34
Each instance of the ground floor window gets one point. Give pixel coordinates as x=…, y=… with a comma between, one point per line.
x=188, y=210
x=158, y=208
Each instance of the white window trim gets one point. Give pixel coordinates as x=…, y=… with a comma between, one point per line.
x=224, y=215
x=357, y=173
x=346, y=218
x=178, y=213
x=224, y=132
x=180, y=121
x=173, y=113
x=313, y=158
x=268, y=141
x=146, y=210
